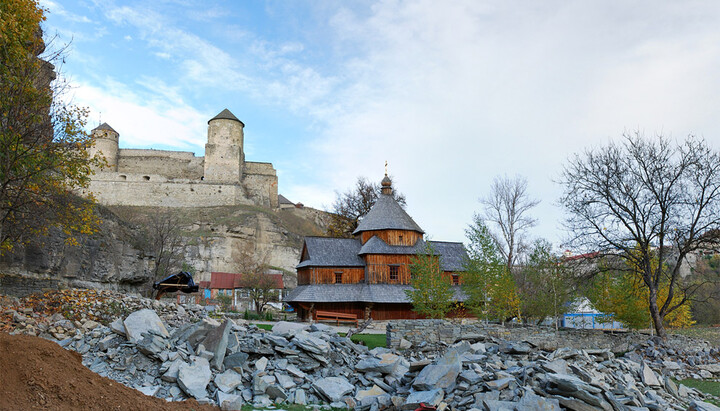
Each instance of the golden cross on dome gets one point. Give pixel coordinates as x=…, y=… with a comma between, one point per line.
x=385, y=168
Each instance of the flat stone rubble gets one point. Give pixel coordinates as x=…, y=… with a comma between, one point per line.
x=230, y=363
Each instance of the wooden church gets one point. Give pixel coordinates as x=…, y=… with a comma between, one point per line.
x=366, y=276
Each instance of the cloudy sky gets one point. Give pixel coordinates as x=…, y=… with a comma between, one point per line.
x=450, y=93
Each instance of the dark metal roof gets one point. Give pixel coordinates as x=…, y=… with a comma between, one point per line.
x=387, y=214
x=332, y=252
x=105, y=126
x=371, y=293
x=226, y=115
x=375, y=245
x=453, y=255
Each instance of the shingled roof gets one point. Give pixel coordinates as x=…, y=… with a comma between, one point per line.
x=453, y=255
x=375, y=245
x=332, y=252
x=370, y=293
x=226, y=115
x=105, y=126
x=387, y=214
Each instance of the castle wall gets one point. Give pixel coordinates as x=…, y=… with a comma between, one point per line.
x=175, y=164
x=158, y=191
x=261, y=182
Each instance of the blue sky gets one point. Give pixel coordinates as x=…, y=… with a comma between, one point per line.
x=451, y=93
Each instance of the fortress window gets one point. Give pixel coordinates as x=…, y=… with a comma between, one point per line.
x=146, y=178
x=123, y=177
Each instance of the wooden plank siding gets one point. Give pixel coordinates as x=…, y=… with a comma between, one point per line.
x=379, y=268
x=326, y=275
x=393, y=237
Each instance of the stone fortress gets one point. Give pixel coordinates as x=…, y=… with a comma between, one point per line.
x=146, y=177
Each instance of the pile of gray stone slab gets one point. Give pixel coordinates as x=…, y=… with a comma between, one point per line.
x=229, y=363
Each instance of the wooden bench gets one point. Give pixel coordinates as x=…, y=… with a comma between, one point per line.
x=337, y=317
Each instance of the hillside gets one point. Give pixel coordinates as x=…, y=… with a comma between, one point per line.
x=121, y=257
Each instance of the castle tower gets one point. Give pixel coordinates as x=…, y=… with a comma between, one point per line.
x=106, y=145
x=224, y=156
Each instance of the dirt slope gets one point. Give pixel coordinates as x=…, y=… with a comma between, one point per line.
x=39, y=374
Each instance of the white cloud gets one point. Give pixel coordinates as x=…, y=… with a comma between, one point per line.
x=144, y=121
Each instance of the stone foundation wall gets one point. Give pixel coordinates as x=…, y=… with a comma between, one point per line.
x=436, y=331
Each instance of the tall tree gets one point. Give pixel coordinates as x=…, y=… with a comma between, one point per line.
x=43, y=147
x=487, y=281
x=431, y=293
x=507, y=211
x=352, y=205
x=261, y=287
x=545, y=284
x=645, y=200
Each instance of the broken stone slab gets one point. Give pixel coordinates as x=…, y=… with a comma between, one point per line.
x=500, y=384
x=712, y=368
x=431, y=397
x=372, y=392
x=143, y=321
x=648, y=376
x=216, y=342
x=288, y=329
x=276, y=393
x=300, y=397
x=386, y=364
x=439, y=375
x=702, y=406
x=172, y=370
x=285, y=381
x=333, y=388
x=311, y=344
x=235, y=361
x=194, y=378
x=149, y=391
x=532, y=401
x=496, y=405
x=229, y=402
x=228, y=381
x=261, y=363
x=118, y=327
x=261, y=382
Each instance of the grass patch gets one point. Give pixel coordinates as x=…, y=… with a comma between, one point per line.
x=369, y=340
x=708, y=387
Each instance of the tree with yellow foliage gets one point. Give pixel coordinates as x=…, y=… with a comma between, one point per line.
x=621, y=294
x=43, y=145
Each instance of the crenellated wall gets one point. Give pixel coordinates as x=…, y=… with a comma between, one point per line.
x=142, y=177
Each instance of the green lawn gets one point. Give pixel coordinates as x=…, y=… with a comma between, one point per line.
x=370, y=340
x=708, y=387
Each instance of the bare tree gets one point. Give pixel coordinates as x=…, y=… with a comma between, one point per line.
x=506, y=209
x=165, y=241
x=261, y=287
x=351, y=206
x=650, y=202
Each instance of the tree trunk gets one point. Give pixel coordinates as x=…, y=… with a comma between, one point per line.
x=655, y=315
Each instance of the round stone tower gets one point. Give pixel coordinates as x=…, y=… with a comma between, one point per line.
x=106, y=145
x=224, y=156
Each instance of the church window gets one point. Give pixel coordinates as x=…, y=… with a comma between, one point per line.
x=394, y=273
x=455, y=279
x=338, y=277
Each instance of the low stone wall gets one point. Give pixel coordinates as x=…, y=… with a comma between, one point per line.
x=436, y=331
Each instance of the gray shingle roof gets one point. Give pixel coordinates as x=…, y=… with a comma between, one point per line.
x=387, y=214
x=370, y=293
x=283, y=200
x=375, y=245
x=226, y=115
x=105, y=126
x=453, y=255
x=332, y=252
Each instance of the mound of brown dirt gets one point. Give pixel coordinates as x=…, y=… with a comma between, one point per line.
x=39, y=374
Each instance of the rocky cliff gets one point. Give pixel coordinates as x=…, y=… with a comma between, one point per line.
x=121, y=255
